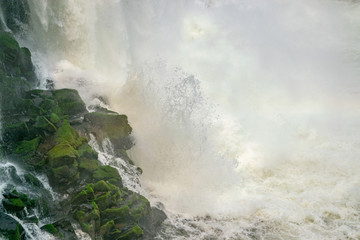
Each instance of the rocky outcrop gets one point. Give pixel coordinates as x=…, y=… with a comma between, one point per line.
x=16, y=13
x=48, y=131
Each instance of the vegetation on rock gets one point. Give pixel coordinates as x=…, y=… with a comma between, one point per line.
x=44, y=131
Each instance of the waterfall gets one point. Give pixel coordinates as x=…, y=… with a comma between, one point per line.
x=244, y=113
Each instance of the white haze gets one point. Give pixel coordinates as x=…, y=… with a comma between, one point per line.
x=246, y=110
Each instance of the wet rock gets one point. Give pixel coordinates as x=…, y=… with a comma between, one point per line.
x=31, y=179
x=10, y=228
x=70, y=102
x=13, y=204
x=49, y=228
x=16, y=13
x=65, y=229
x=110, y=125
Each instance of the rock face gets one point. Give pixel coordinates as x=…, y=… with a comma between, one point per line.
x=16, y=12
x=47, y=131
x=10, y=228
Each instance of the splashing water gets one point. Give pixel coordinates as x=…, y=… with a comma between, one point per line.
x=244, y=112
x=12, y=175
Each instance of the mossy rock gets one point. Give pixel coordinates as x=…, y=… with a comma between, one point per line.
x=119, y=215
x=67, y=134
x=26, y=147
x=104, y=201
x=13, y=204
x=16, y=60
x=43, y=124
x=16, y=13
x=86, y=151
x=89, y=219
x=15, y=132
x=31, y=179
x=86, y=195
x=101, y=186
x=106, y=172
x=64, y=175
x=54, y=118
x=113, y=126
x=50, y=229
x=9, y=227
x=62, y=154
x=90, y=165
x=70, y=102
x=8, y=41
x=135, y=233
x=107, y=228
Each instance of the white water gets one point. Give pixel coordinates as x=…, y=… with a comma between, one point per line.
x=12, y=176
x=244, y=111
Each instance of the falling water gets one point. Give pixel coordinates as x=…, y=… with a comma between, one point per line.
x=245, y=113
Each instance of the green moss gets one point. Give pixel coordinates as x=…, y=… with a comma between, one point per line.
x=17, y=202
x=89, y=165
x=113, y=125
x=115, y=181
x=89, y=188
x=17, y=235
x=32, y=180
x=101, y=186
x=42, y=123
x=107, y=227
x=26, y=51
x=15, y=131
x=69, y=101
x=62, y=154
x=27, y=147
x=65, y=174
x=66, y=134
x=119, y=214
x=106, y=172
x=81, y=197
x=86, y=151
x=104, y=201
x=49, y=228
x=7, y=41
x=54, y=118
x=87, y=227
x=80, y=215
x=86, y=195
x=95, y=214
x=60, y=171
x=41, y=163
x=14, y=204
x=135, y=233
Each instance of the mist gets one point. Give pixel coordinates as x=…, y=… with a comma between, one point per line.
x=245, y=110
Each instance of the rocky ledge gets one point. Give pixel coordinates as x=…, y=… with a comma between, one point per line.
x=47, y=131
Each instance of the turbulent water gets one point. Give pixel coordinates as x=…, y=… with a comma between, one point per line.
x=12, y=175
x=245, y=113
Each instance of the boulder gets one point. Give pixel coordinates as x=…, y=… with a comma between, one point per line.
x=10, y=228
x=110, y=125
x=70, y=102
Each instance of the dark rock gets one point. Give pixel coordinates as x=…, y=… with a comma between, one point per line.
x=16, y=13
x=152, y=222
x=70, y=102
x=10, y=228
x=13, y=204
x=31, y=179
x=49, y=228
x=110, y=125
x=65, y=229
x=106, y=173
